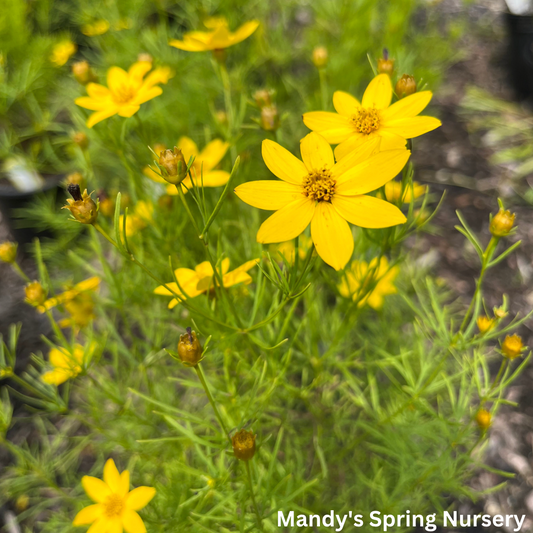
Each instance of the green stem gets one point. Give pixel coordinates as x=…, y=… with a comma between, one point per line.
x=184, y=202
x=20, y=272
x=252, y=494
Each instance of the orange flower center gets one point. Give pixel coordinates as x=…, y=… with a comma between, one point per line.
x=113, y=506
x=319, y=186
x=123, y=94
x=366, y=120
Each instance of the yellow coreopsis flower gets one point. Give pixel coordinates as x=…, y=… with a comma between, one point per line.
x=369, y=282
x=325, y=194
x=372, y=117
x=202, y=279
x=125, y=93
x=139, y=219
x=71, y=294
x=99, y=27
x=115, y=507
x=67, y=365
x=218, y=38
x=393, y=191
x=203, y=168
x=61, y=52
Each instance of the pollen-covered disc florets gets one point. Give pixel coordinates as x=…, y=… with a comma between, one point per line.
x=366, y=120
x=113, y=505
x=243, y=444
x=319, y=185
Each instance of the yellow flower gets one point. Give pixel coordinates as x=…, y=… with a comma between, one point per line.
x=67, y=365
x=201, y=279
x=502, y=223
x=217, y=39
x=98, y=27
x=75, y=301
x=125, y=93
x=483, y=419
x=512, y=346
x=139, y=219
x=373, y=117
x=369, y=282
x=287, y=249
x=8, y=251
x=204, y=163
x=324, y=194
x=61, y=52
x=485, y=324
x=116, y=506
x=393, y=191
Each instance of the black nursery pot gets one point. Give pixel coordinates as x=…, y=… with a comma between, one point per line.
x=520, y=54
x=11, y=200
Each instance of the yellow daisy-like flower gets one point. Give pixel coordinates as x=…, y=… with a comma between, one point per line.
x=67, y=365
x=218, y=38
x=373, y=279
x=90, y=284
x=115, y=507
x=98, y=27
x=325, y=194
x=203, y=167
x=125, y=93
x=202, y=279
x=139, y=219
x=61, y=52
x=373, y=116
x=393, y=191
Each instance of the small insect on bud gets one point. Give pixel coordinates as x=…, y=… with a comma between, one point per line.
x=173, y=165
x=320, y=56
x=243, y=444
x=512, y=346
x=81, y=140
x=385, y=63
x=269, y=118
x=483, y=419
x=484, y=324
x=8, y=251
x=189, y=348
x=263, y=97
x=405, y=86
x=76, y=178
x=82, y=207
x=35, y=294
x=83, y=72
x=145, y=57
x=502, y=223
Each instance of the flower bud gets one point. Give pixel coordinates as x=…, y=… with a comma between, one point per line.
x=189, y=348
x=173, y=165
x=263, y=97
x=243, y=444
x=8, y=251
x=405, y=86
x=502, y=223
x=81, y=140
x=35, y=294
x=512, y=346
x=320, y=56
x=22, y=503
x=221, y=117
x=484, y=324
x=83, y=72
x=500, y=312
x=269, y=118
x=145, y=57
x=385, y=63
x=82, y=208
x=483, y=419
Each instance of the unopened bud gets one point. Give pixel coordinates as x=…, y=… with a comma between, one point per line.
x=189, y=348
x=145, y=57
x=270, y=118
x=483, y=419
x=35, y=294
x=484, y=324
x=502, y=223
x=81, y=140
x=405, y=86
x=512, y=346
x=8, y=252
x=83, y=72
x=82, y=207
x=243, y=444
x=500, y=312
x=320, y=56
x=263, y=97
x=221, y=117
x=385, y=63
x=173, y=165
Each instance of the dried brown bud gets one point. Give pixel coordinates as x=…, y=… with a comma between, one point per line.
x=35, y=294
x=502, y=223
x=320, y=56
x=83, y=72
x=81, y=140
x=189, y=348
x=173, y=165
x=82, y=208
x=243, y=444
x=8, y=252
x=405, y=86
x=269, y=118
x=483, y=419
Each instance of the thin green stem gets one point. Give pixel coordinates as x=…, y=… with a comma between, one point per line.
x=252, y=494
x=20, y=272
x=189, y=212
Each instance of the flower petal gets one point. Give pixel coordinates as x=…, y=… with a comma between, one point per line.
x=239, y=275
x=271, y=195
x=114, y=525
x=128, y=110
x=282, y=163
x=212, y=154
x=244, y=31
x=188, y=147
x=333, y=127
x=90, y=103
x=100, y=526
x=361, y=151
x=111, y=475
x=410, y=106
x=146, y=94
x=117, y=78
x=88, y=515
x=95, y=488
x=367, y=211
x=56, y=376
x=189, y=45
x=138, y=70
x=124, y=484
x=139, y=498
x=101, y=115
x=316, y=152
x=211, y=178
x=378, y=94
x=331, y=236
x=132, y=522
x=97, y=91
x=345, y=104
x=412, y=127
x=372, y=173
x=288, y=222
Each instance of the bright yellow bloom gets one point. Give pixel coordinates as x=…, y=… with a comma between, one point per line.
x=393, y=191
x=139, y=219
x=67, y=365
x=485, y=324
x=125, y=93
x=116, y=506
x=88, y=285
x=324, y=194
x=201, y=279
x=202, y=168
x=98, y=27
x=61, y=52
x=512, y=346
x=287, y=249
x=373, y=117
x=369, y=282
x=217, y=39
